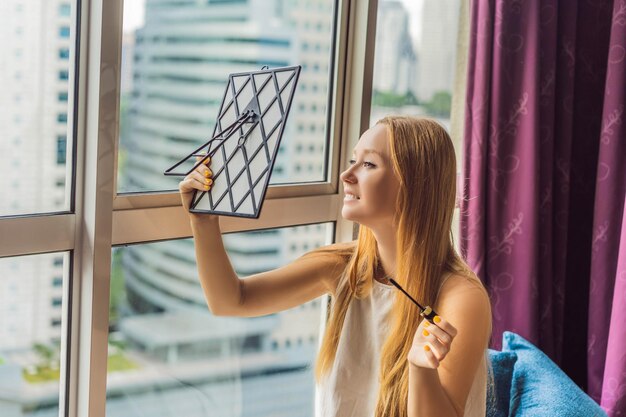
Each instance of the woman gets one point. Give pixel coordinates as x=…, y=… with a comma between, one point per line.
x=378, y=357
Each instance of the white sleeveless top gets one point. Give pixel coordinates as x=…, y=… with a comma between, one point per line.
x=350, y=388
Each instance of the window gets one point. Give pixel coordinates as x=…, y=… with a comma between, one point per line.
x=415, y=62
x=428, y=37
x=158, y=314
x=77, y=235
x=177, y=99
x=30, y=333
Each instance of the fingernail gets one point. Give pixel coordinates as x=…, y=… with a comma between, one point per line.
x=426, y=347
x=425, y=332
x=206, y=187
x=206, y=181
x=206, y=173
x=426, y=323
x=437, y=319
x=210, y=181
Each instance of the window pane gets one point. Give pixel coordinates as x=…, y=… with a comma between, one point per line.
x=34, y=107
x=168, y=355
x=176, y=58
x=415, y=59
x=31, y=301
x=415, y=64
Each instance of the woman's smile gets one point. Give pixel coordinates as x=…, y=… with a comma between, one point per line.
x=349, y=197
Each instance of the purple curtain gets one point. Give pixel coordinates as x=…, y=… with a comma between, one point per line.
x=542, y=218
x=606, y=346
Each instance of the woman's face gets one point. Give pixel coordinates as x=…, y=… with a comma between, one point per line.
x=370, y=184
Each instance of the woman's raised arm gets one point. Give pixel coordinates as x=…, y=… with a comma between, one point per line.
x=302, y=280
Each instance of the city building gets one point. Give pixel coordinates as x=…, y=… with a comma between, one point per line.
x=395, y=67
x=34, y=119
x=437, y=47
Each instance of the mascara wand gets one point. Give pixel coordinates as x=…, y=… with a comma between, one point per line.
x=426, y=312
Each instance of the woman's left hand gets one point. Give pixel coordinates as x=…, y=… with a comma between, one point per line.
x=431, y=343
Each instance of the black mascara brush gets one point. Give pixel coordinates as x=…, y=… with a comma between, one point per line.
x=426, y=312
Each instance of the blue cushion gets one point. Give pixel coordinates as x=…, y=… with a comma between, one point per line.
x=499, y=393
x=539, y=387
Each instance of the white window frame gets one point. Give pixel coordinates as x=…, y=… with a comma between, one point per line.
x=100, y=219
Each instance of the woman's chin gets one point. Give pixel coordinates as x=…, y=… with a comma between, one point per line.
x=347, y=215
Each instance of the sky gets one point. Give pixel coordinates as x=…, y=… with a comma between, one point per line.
x=133, y=14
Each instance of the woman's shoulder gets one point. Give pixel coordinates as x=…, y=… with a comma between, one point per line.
x=463, y=289
x=455, y=283
x=342, y=250
x=332, y=261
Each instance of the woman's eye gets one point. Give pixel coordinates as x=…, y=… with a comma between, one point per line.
x=365, y=163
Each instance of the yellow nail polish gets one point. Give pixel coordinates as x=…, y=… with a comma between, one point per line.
x=209, y=181
x=426, y=323
x=425, y=332
x=437, y=319
x=426, y=348
x=206, y=181
x=206, y=173
x=206, y=187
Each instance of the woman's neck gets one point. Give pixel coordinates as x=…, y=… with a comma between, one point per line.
x=386, y=245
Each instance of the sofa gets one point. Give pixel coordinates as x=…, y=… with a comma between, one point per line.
x=527, y=383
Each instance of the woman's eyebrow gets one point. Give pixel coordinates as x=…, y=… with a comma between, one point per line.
x=374, y=151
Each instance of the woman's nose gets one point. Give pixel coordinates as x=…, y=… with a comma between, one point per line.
x=347, y=175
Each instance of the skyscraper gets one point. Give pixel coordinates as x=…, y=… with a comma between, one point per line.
x=33, y=116
x=437, y=48
x=396, y=63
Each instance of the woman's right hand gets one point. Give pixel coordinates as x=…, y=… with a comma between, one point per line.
x=198, y=179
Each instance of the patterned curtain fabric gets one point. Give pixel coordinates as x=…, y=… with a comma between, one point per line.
x=543, y=219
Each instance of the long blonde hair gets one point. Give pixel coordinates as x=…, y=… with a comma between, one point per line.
x=423, y=160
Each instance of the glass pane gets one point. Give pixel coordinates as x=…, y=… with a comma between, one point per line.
x=415, y=64
x=416, y=46
x=168, y=355
x=37, y=54
x=176, y=58
x=31, y=303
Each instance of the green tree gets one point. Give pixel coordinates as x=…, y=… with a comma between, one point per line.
x=118, y=291
x=440, y=104
x=391, y=99
x=46, y=353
